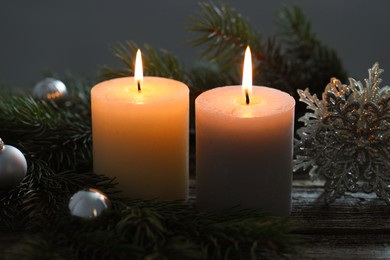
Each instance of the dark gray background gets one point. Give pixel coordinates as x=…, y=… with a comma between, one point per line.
x=74, y=35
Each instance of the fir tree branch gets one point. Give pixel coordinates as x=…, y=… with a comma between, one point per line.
x=43, y=194
x=56, y=139
x=58, y=132
x=225, y=34
x=205, y=75
x=219, y=29
x=312, y=63
x=160, y=63
x=170, y=230
x=293, y=59
x=44, y=130
x=132, y=228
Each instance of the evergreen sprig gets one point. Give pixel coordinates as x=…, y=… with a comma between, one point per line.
x=292, y=59
x=155, y=62
x=225, y=33
x=311, y=62
x=56, y=139
x=46, y=131
x=138, y=229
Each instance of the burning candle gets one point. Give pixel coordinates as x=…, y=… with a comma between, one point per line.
x=244, y=146
x=140, y=134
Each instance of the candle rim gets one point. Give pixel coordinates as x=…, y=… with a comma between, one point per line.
x=176, y=88
x=204, y=102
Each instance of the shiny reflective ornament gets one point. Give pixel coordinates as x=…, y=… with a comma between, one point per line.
x=50, y=89
x=345, y=139
x=13, y=166
x=89, y=203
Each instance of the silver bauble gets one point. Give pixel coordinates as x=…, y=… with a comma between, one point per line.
x=13, y=166
x=49, y=89
x=88, y=204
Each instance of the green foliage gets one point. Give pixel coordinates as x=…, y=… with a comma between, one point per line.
x=312, y=64
x=225, y=33
x=56, y=139
x=55, y=136
x=43, y=194
x=155, y=62
x=38, y=127
x=292, y=59
x=138, y=229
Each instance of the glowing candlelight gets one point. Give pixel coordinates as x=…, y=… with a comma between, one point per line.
x=244, y=149
x=138, y=70
x=141, y=137
x=247, y=75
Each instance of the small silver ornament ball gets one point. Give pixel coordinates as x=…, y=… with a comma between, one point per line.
x=13, y=166
x=49, y=89
x=88, y=204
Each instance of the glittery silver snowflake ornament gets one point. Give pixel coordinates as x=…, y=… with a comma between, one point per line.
x=345, y=139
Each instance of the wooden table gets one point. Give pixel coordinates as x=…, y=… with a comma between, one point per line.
x=356, y=226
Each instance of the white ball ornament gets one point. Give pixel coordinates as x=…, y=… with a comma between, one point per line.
x=49, y=89
x=13, y=166
x=88, y=204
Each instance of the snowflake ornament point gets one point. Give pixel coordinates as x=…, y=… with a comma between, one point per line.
x=345, y=139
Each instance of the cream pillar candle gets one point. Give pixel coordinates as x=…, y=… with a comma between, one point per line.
x=141, y=136
x=244, y=151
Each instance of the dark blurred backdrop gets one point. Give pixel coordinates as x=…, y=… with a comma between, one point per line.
x=74, y=35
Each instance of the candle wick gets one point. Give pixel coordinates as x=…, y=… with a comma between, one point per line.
x=139, y=85
x=247, y=100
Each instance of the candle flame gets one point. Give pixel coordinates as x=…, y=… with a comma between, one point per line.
x=138, y=70
x=247, y=75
